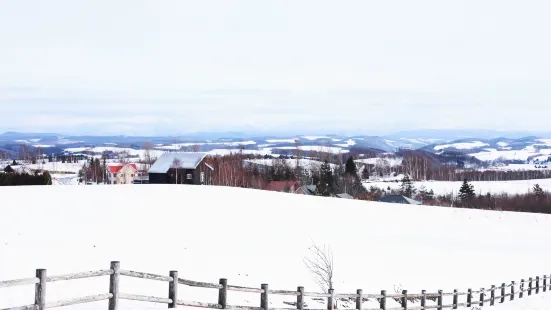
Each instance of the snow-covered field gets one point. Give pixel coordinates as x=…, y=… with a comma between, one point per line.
x=292, y=163
x=253, y=237
x=524, y=154
x=316, y=148
x=497, y=187
x=388, y=161
x=461, y=145
x=100, y=149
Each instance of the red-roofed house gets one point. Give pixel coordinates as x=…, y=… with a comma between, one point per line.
x=284, y=186
x=122, y=173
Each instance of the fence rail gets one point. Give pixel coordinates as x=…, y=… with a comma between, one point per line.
x=407, y=301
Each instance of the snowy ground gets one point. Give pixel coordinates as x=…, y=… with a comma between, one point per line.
x=381, y=161
x=445, y=187
x=253, y=237
x=292, y=163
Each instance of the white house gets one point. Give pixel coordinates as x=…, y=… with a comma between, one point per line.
x=122, y=173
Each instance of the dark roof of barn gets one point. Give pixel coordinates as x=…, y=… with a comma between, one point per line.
x=399, y=199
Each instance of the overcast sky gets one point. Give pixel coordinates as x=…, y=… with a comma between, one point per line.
x=166, y=67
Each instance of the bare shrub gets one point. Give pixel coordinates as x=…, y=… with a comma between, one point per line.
x=321, y=265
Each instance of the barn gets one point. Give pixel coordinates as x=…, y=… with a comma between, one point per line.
x=181, y=168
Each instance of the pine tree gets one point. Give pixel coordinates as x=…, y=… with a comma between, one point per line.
x=426, y=195
x=466, y=192
x=324, y=187
x=47, y=178
x=350, y=167
x=406, y=188
x=538, y=191
x=365, y=173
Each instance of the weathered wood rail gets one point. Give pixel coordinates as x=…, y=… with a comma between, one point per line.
x=406, y=301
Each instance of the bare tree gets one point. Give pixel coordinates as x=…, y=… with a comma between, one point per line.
x=176, y=163
x=147, y=146
x=321, y=266
x=196, y=148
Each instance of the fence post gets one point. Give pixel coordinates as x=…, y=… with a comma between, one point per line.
x=544, y=283
x=455, y=299
x=40, y=290
x=469, y=297
x=423, y=298
x=502, y=292
x=530, y=286
x=300, y=298
x=537, y=285
x=382, y=302
x=223, y=293
x=521, y=290
x=481, y=297
x=359, y=299
x=264, y=297
x=405, y=300
x=330, y=300
x=440, y=299
x=513, y=290
x=493, y=295
x=173, y=289
x=114, y=285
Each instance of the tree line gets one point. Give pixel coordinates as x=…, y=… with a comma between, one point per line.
x=9, y=177
x=537, y=201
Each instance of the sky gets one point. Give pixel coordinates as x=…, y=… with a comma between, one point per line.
x=171, y=67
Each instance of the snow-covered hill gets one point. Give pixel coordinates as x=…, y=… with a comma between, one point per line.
x=523, y=149
x=253, y=237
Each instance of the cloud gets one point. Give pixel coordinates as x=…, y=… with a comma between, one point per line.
x=309, y=65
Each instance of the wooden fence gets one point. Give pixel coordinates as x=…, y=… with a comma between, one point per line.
x=407, y=301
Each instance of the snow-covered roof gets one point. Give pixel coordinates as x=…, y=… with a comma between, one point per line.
x=187, y=161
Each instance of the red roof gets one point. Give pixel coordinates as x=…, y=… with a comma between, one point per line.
x=117, y=168
x=281, y=186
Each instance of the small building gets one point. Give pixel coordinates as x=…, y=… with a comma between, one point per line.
x=344, y=196
x=284, y=186
x=399, y=199
x=181, y=168
x=308, y=190
x=122, y=173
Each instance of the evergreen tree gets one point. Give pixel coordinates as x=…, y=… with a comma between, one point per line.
x=426, y=195
x=324, y=187
x=365, y=172
x=47, y=178
x=350, y=167
x=50, y=159
x=406, y=188
x=8, y=169
x=14, y=163
x=466, y=192
x=538, y=191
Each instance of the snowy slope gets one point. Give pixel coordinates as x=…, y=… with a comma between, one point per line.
x=253, y=237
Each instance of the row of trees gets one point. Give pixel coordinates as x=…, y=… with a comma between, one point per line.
x=421, y=165
x=94, y=171
x=538, y=201
x=11, y=178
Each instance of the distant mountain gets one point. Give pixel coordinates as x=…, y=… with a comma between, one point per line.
x=21, y=135
x=434, y=141
x=453, y=134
